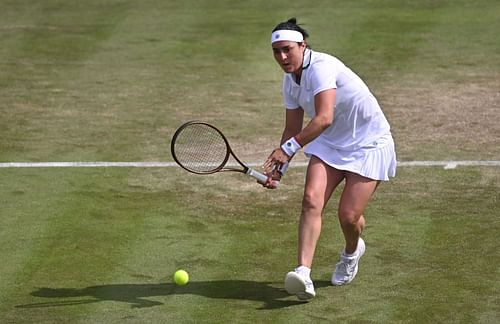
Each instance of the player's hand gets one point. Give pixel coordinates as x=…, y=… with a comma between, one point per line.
x=273, y=180
x=275, y=160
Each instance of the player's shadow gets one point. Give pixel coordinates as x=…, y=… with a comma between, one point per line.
x=137, y=294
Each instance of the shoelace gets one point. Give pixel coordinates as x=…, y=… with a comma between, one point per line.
x=346, y=266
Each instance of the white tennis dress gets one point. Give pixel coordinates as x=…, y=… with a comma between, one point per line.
x=359, y=139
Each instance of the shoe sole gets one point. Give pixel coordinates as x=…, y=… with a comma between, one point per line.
x=340, y=283
x=295, y=285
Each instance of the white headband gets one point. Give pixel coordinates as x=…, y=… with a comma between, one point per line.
x=286, y=35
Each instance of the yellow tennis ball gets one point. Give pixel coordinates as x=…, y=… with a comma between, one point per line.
x=181, y=277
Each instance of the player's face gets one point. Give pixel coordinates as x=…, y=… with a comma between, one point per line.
x=289, y=55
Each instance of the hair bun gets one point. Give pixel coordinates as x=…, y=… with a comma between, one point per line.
x=291, y=24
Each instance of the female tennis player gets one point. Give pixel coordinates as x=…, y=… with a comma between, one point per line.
x=347, y=139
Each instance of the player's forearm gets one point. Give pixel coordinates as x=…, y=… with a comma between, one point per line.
x=313, y=129
x=324, y=103
x=288, y=133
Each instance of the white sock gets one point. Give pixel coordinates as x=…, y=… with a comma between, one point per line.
x=353, y=254
x=347, y=255
x=304, y=271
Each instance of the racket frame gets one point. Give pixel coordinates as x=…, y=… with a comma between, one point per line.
x=229, y=153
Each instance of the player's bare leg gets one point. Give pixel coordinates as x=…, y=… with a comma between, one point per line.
x=357, y=192
x=321, y=181
x=355, y=197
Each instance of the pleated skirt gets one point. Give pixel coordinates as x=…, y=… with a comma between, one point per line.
x=376, y=161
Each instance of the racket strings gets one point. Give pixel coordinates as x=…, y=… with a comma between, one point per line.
x=200, y=148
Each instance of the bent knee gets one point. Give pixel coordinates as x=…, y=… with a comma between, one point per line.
x=311, y=202
x=349, y=217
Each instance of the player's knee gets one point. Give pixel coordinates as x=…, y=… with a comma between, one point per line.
x=311, y=202
x=349, y=218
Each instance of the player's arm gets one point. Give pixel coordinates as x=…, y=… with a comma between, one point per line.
x=324, y=103
x=294, y=119
x=293, y=123
x=294, y=137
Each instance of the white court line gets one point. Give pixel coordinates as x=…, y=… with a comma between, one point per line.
x=444, y=164
x=87, y=164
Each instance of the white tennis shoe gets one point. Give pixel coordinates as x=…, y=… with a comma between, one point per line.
x=347, y=268
x=299, y=285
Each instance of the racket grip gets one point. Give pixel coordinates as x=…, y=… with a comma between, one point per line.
x=257, y=175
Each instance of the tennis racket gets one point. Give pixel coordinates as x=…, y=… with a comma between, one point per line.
x=201, y=148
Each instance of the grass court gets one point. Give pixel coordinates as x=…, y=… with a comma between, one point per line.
x=112, y=80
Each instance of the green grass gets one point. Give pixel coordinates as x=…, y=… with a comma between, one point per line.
x=111, y=80
x=103, y=245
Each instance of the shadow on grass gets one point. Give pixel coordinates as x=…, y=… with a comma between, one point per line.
x=137, y=294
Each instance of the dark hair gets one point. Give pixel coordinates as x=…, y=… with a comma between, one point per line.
x=291, y=24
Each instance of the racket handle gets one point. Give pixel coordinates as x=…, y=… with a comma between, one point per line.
x=257, y=175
